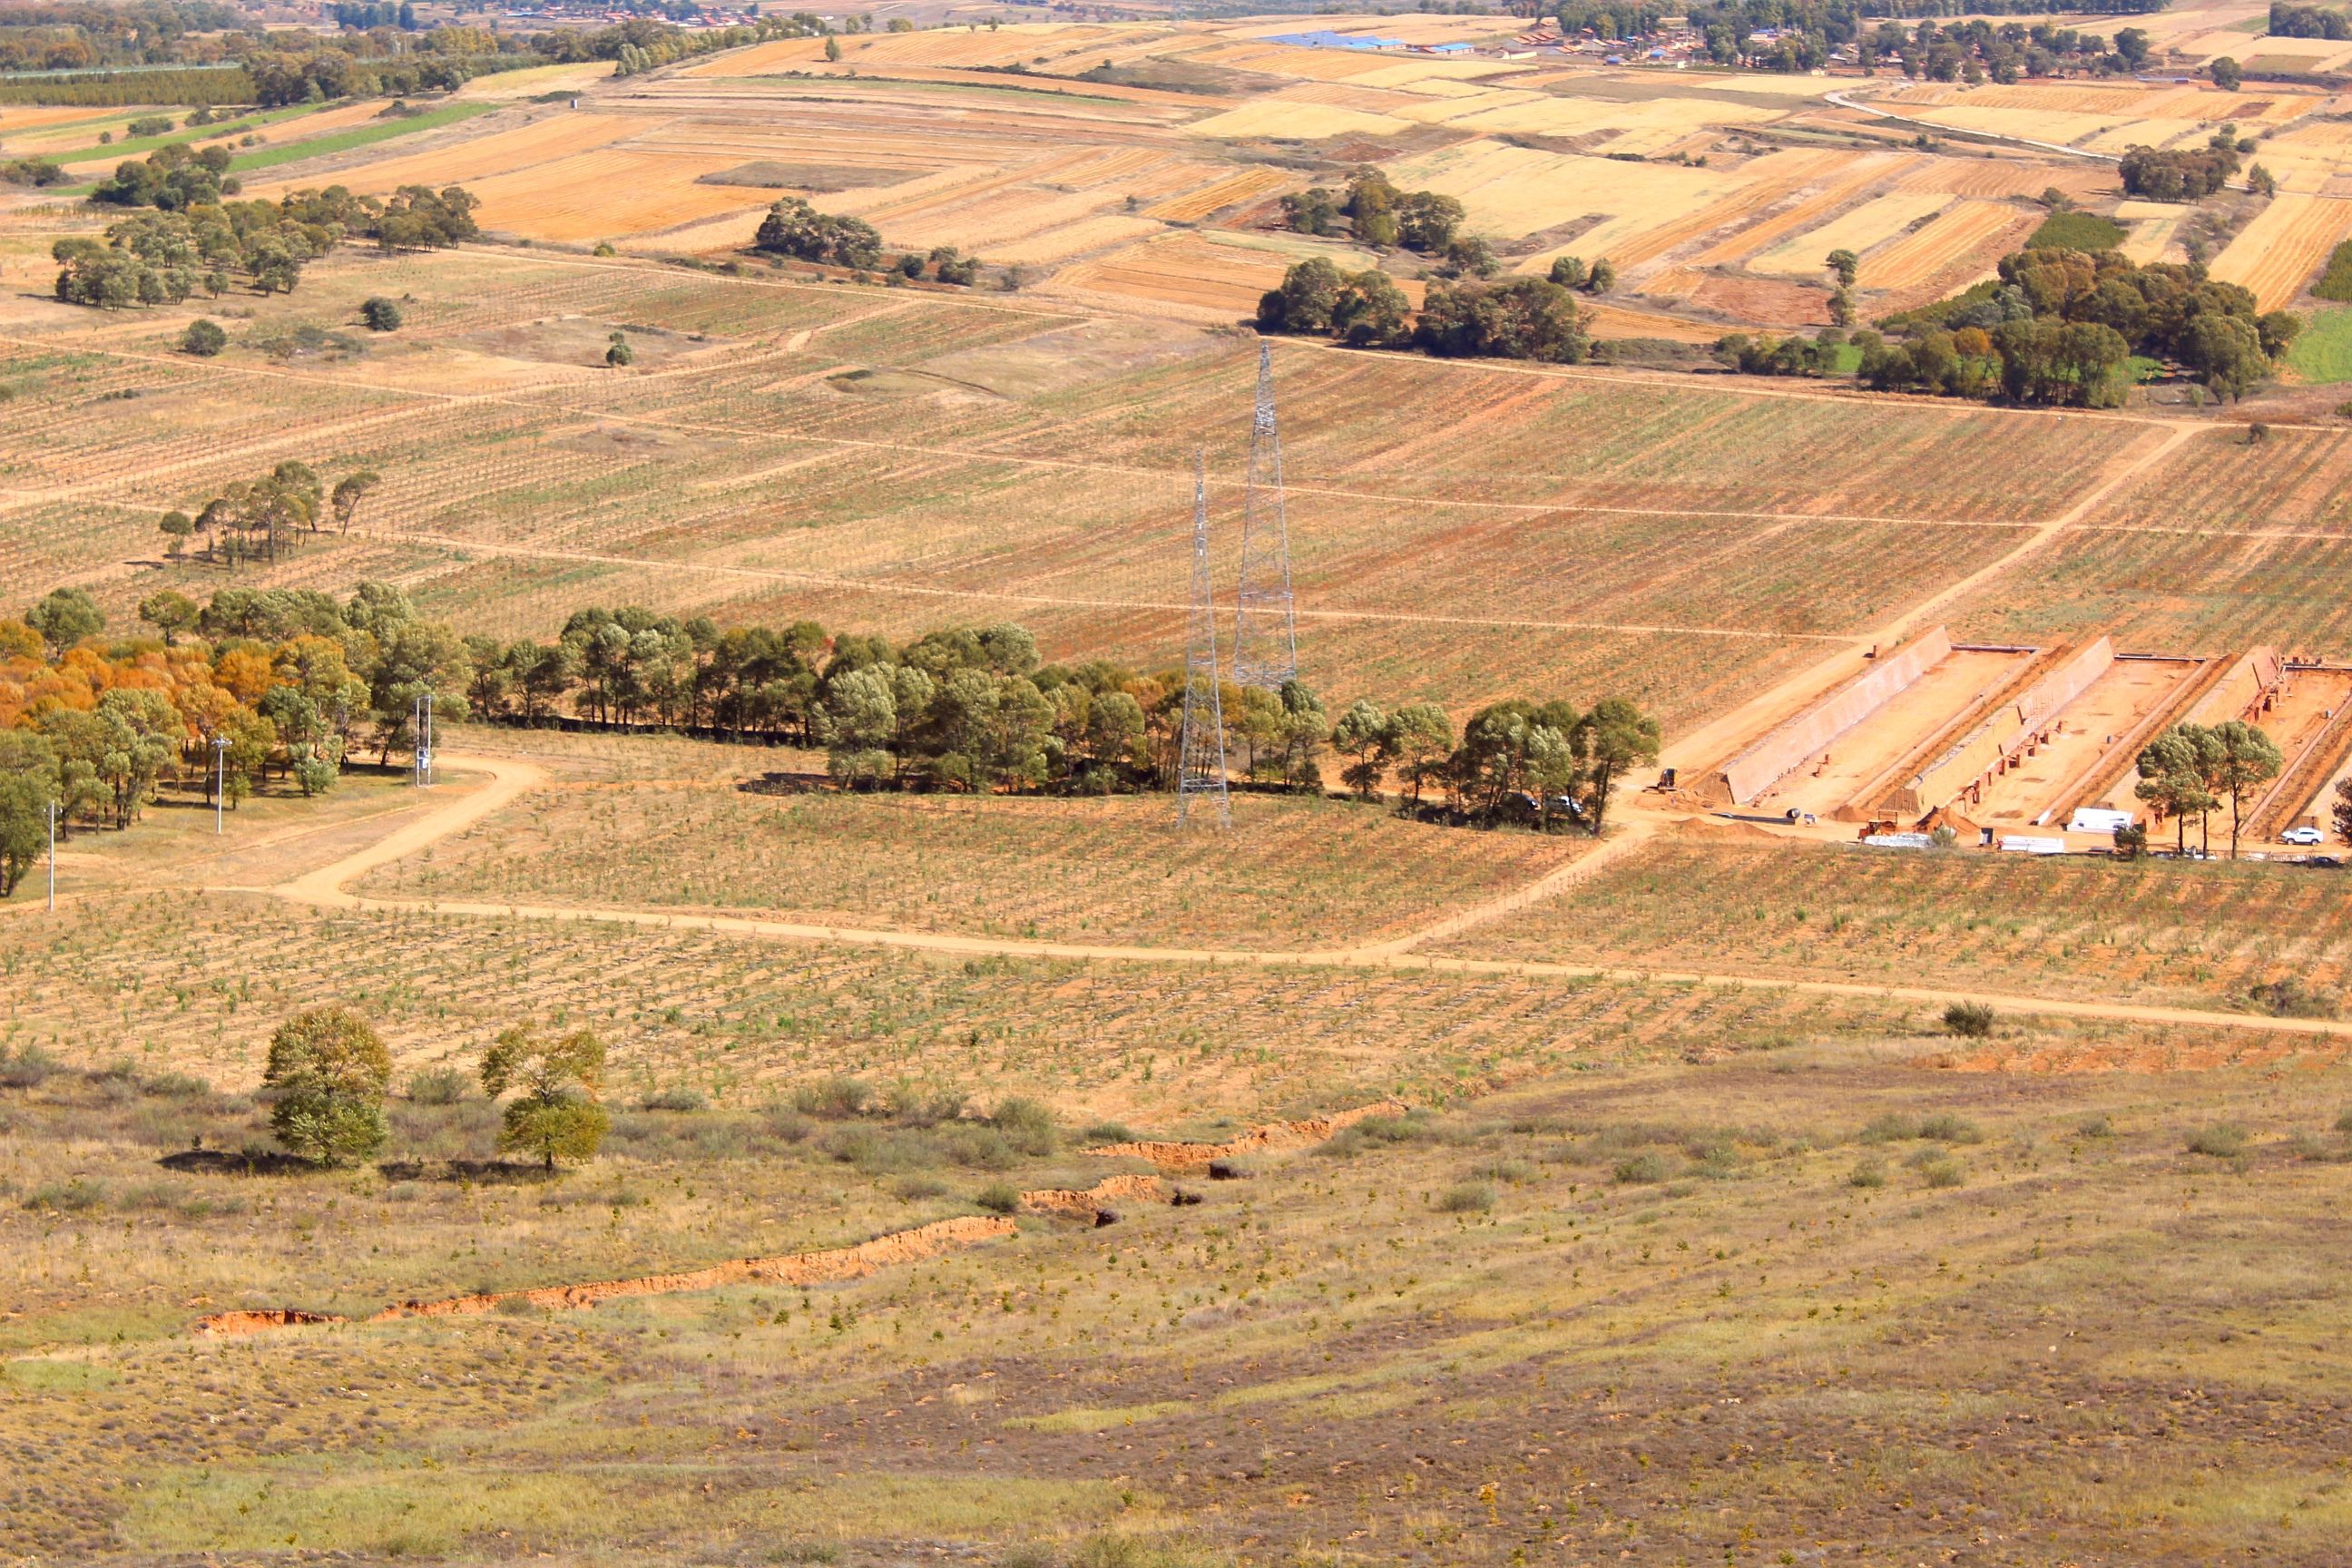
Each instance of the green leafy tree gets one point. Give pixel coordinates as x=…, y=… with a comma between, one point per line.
x=1419, y=739
x=1845, y=265
x=327, y=1073
x=1568, y=271
x=168, y=610
x=2242, y=760
x=348, y=494
x=2172, y=770
x=63, y=618
x=2227, y=73
x=1362, y=735
x=555, y=1115
x=380, y=314
x=29, y=786
x=203, y=339
x=1617, y=736
x=175, y=527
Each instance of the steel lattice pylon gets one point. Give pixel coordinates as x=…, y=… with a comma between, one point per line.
x=1265, y=621
x=1201, y=754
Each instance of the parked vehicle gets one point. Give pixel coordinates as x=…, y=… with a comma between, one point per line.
x=2305, y=837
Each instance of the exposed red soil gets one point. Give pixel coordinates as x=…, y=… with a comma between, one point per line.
x=1089, y=1202
x=1272, y=1138
x=792, y=1268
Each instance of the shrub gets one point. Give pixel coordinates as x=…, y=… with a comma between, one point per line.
x=1517, y=1173
x=1942, y=1174
x=436, y=1085
x=1867, y=1174
x=1644, y=1168
x=1892, y=1128
x=177, y=1086
x=1947, y=1128
x=787, y=1124
x=380, y=314
x=76, y=1196
x=2222, y=1141
x=2289, y=998
x=998, y=1198
x=2344, y=1122
x=1971, y=1020
x=1109, y=1133
x=1026, y=1125
x=914, y=1188
x=833, y=1098
x=677, y=1097
x=203, y=339
x=2096, y=1127
x=28, y=1067
x=1467, y=1197
x=981, y=1148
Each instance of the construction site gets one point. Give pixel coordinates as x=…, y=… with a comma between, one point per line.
x=2024, y=748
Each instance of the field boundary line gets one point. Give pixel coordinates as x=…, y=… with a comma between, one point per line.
x=934, y=591
x=548, y=402
x=324, y=888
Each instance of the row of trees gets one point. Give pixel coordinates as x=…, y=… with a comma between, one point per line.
x=1373, y=211
x=2191, y=769
x=2061, y=326
x=328, y=1072
x=163, y=258
x=1520, y=318
x=257, y=517
x=173, y=178
x=1804, y=34
x=288, y=680
x=1515, y=760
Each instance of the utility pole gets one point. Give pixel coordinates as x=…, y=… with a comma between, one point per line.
x=220, y=781
x=53, y=857
x=1200, y=748
x=424, y=722
x=1266, y=618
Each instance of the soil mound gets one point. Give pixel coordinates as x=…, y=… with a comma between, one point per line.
x=1272, y=1138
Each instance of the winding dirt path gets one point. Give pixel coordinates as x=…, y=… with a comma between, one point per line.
x=509, y=778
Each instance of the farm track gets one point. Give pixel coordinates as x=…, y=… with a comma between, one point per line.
x=324, y=888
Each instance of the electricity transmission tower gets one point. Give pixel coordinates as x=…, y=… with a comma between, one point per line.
x=1265, y=622
x=1201, y=754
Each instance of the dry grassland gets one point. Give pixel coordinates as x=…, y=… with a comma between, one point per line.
x=1296, y=873
x=1796, y=1256
x=2165, y=933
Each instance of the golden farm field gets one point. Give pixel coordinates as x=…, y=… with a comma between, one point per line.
x=2280, y=253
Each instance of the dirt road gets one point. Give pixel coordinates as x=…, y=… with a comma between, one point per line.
x=508, y=778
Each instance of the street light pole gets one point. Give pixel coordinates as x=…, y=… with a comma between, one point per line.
x=423, y=726
x=53, y=857
x=220, y=780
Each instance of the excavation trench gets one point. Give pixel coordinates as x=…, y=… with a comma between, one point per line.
x=819, y=1268
x=1275, y=1137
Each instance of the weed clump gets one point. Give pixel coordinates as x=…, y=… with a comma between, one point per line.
x=437, y=1086
x=679, y=1097
x=1467, y=1197
x=998, y=1198
x=1026, y=1125
x=2344, y=1122
x=2290, y=998
x=1942, y=1173
x=834, y=1098
x=2222, y=1141
x=1867, y=1174
x=2096, y=1127
x=1969, y=1020
x=1642, y=1168
x=29, y=1068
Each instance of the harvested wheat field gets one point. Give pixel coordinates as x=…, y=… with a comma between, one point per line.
x=2280, y=252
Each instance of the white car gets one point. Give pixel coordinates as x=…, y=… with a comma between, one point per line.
x=2307, y=837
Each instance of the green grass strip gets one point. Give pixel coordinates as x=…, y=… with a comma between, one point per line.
x=2322, y=352
x=138, y=144
x=359, y=136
